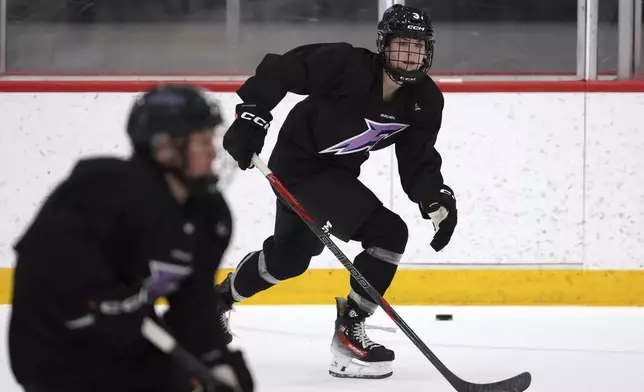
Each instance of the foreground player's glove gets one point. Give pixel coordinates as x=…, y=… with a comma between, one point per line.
x=230, y=368
x=441, y=209
x=246, y=135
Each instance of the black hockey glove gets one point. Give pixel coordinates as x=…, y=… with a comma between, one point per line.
x=441, y=209
x=230, y=368
x=246, y=135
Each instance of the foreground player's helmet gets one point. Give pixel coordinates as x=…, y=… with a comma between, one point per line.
x=173, y=109
x=406, y=22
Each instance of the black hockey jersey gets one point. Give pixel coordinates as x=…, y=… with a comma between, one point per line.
x=344, y=116
x=77, y=310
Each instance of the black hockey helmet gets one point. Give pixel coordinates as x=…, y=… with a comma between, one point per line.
x=177, y=110
x=406, y=22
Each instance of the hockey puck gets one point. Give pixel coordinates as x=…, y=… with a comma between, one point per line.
x=443, y=317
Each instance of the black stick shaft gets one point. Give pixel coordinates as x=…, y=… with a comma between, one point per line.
x=161, y=338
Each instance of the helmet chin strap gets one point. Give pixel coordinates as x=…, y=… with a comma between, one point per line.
x=397, y=75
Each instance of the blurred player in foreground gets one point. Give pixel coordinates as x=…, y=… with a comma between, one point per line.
x=112, y=237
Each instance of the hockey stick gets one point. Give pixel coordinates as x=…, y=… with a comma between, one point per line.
x=517, y=383
x=161, y=338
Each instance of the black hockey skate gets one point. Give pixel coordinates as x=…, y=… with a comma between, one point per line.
x=224, y=307
x=354, y=355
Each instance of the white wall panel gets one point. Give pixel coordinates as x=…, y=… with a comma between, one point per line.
x=615, y=181
x=516, y=162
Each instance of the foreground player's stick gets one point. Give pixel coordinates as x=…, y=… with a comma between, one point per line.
x=161, y=338
x=518, y=383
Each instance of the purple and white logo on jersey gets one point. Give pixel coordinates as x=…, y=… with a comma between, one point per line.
x=164, y=278
x=366, y=140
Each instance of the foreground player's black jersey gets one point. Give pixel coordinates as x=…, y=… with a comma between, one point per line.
x=109, y=227
x=344, y=116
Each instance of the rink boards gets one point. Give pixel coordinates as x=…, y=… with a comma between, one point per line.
x=549, y=179
x=454, y=287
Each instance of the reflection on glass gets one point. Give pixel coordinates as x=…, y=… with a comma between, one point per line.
x=528, y=37
x=639, y=71
x=607, y=37
x=194, y=36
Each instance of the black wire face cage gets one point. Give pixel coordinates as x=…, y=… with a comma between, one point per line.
x=408, y=59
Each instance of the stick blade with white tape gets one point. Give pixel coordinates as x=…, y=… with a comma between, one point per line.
x=517, y=383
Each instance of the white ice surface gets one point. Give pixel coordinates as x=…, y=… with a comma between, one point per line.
x=566, y=349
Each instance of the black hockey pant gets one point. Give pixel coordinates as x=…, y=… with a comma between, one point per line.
x=354, y=213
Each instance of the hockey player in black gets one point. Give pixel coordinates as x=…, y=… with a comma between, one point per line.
x=358, y=101
x=112, y=237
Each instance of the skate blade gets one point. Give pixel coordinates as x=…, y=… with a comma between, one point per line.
x=361, y=376
x=345, y=367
